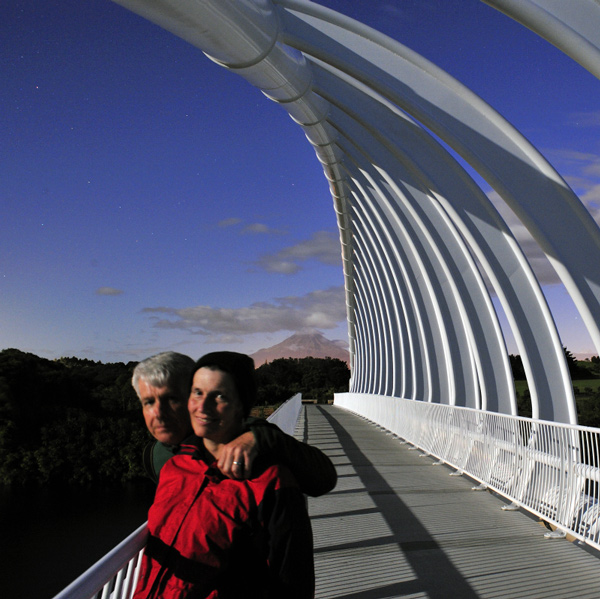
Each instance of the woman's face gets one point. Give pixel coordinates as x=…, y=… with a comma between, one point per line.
x=215, y=408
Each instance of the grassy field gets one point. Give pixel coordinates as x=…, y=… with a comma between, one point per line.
x=582, y=386
x=262, y=411
x=586, y=398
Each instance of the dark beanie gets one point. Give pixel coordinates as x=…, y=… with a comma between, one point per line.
x=241, y=369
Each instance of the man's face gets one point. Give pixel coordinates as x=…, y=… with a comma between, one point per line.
x=165, y=412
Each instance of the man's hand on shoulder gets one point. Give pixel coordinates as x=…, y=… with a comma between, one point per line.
x=237, y=456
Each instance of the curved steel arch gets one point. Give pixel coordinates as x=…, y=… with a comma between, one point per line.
x=449, y=363
x=302, y=55
x=407, y=329
x=572, y=28
x=480, y=224
x=485, y=344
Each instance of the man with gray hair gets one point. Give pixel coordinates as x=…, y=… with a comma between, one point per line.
x=162, y=383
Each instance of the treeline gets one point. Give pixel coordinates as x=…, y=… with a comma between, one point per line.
x=69, y=420
x=315, y=378
x=76, y=421
x=578, y=369
x=585, y=375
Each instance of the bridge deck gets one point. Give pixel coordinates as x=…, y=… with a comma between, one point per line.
x=396, y=526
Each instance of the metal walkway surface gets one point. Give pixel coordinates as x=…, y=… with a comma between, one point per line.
x=398, y=526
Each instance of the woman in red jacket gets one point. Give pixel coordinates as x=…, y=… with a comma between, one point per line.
x=215, y=537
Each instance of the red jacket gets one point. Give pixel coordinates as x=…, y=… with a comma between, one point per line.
x=213, y=537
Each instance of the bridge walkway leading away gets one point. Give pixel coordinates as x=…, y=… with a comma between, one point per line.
x=398, y=526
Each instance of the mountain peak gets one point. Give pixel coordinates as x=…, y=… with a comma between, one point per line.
x=303, y=344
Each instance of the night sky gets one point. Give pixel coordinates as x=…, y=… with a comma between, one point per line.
x=151, y=200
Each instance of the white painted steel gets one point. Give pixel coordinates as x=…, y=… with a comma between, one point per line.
x=481, y=136
x=476, y=220
x=415, y=368
x=418, y=272
x=396, y=362
x=115, y=575
x=377, y=362
x=293, y=50
x=347, y=86
x=511, y=165
x=549, y=469
x=286, y=415
x=397, y=74
x=488, y=237
x=459, y=282
x=571, y=25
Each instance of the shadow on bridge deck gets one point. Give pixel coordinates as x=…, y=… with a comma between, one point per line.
x=396, y=526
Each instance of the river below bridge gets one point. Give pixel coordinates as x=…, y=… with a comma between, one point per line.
x=48, y=537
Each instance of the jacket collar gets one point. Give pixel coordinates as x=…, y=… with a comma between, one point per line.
x=194, y=447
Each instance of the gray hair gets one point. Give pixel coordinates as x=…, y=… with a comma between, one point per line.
x=166, y=368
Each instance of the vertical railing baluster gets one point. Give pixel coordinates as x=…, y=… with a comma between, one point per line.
x=547, y=468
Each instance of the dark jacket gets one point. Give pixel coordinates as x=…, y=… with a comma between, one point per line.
x=313, y=470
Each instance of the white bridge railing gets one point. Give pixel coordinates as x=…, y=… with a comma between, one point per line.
x=286, y=415
x=549, y=469
x=115, y=575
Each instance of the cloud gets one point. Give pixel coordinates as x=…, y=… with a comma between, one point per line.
x=253, y=228
x=323, y=246
x=581, y=170
x=392, y=10
x=538, y=261
x=322, y=309
x=229, y=222
x=591, y=198
x=578, y=166
x=108, y=291
x=261, y=229
x=585, y=119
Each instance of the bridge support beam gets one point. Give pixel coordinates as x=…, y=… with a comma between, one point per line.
x=419, y=238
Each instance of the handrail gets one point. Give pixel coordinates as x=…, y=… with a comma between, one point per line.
x=115, y=575
x=549, y=469
x=286, y=415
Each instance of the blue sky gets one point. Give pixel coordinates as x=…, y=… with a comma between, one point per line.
x=151, y=200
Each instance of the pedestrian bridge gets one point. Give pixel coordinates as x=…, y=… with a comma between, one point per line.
x=424, y=251
x=402, y=522
x=424, y=248
x=397, y=525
